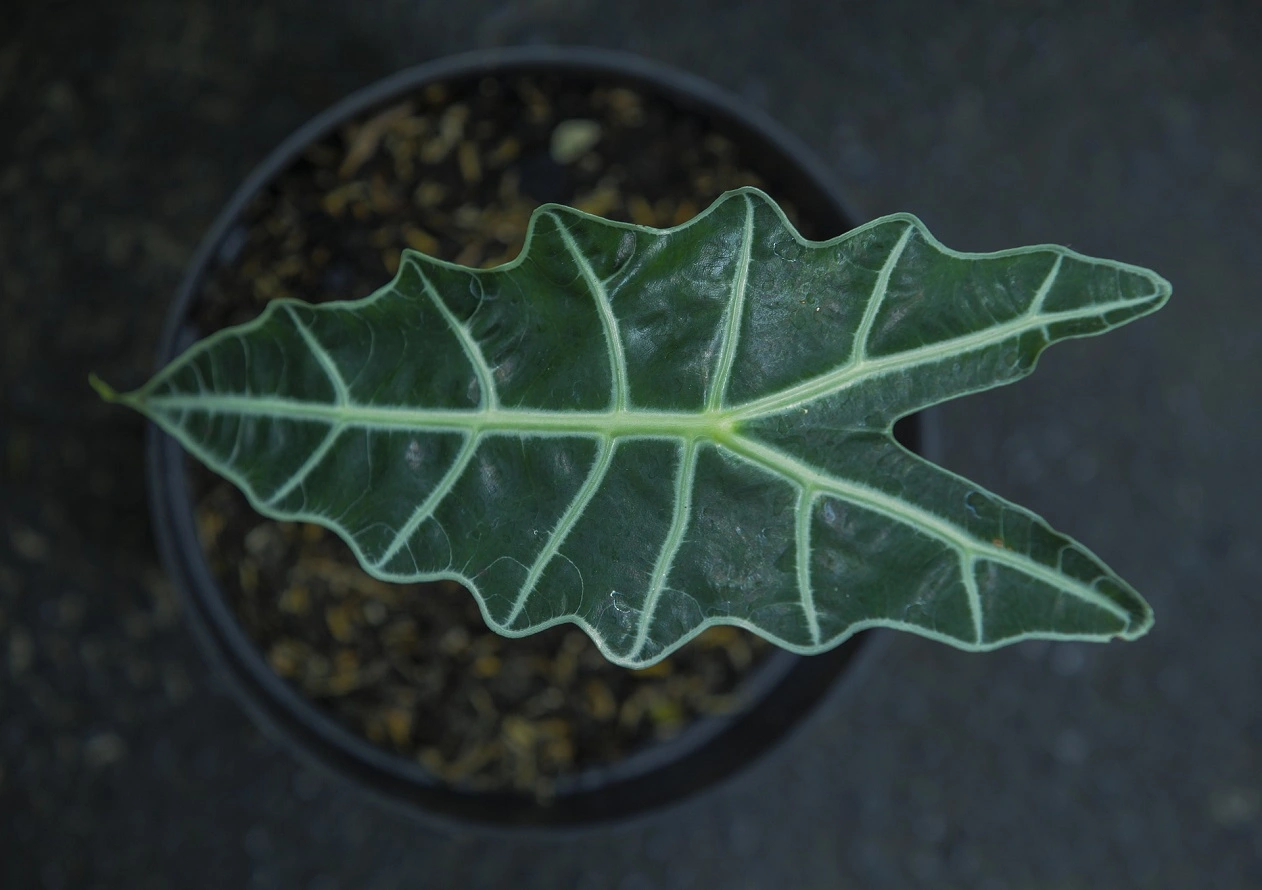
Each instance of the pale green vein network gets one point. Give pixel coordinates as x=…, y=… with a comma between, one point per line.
x=911, y=515
x=716, y=423
x=858, y=372
x=628, y=421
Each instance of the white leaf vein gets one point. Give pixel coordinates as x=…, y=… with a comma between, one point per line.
x=426, y=508
x=685, y=479
x=802, y=543
x=862, y=334
x=340, y=392
x=854, y=374
x=718, y=424
x=907, y=513
x=313, y=460
x=735, y=310
x=552, y=546
x=620, y=396
x=481, y=368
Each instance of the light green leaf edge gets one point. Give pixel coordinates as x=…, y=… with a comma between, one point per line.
x=721, y=430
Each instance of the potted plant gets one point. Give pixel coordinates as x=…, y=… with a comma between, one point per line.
x=645, y=430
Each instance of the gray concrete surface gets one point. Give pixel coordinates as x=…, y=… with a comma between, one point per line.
x=1125, y=129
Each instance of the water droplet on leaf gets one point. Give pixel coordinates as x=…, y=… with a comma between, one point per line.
x=972, y=501
x=788, y=249
x=626, y=250
x=413, y=456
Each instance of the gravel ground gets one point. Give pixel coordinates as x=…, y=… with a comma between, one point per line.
x=123, y=764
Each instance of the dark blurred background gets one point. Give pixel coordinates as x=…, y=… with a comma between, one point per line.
x=1129, y=130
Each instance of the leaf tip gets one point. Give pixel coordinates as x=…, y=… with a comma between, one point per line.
x=1138, y=626
x=1162, y=289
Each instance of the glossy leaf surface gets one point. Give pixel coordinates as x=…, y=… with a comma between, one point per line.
x=650, y=431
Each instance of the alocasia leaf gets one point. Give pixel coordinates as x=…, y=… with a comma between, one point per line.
x=646, y=432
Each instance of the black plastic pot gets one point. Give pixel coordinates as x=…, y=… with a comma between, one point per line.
x=779, y=694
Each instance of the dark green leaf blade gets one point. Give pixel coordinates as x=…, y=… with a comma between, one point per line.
x=647, y=432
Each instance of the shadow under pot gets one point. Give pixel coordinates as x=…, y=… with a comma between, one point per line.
x=401, y=688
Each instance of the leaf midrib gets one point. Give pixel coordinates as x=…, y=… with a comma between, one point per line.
x=815, y=482
x=695, y=427
x=862, y=368
x=714, y=423
x=684, y=425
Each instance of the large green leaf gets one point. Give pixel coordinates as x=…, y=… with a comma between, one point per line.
x=648, y=431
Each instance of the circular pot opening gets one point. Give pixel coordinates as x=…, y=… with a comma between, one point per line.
x=402, y=689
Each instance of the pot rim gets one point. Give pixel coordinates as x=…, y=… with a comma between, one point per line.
x=780, y=695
